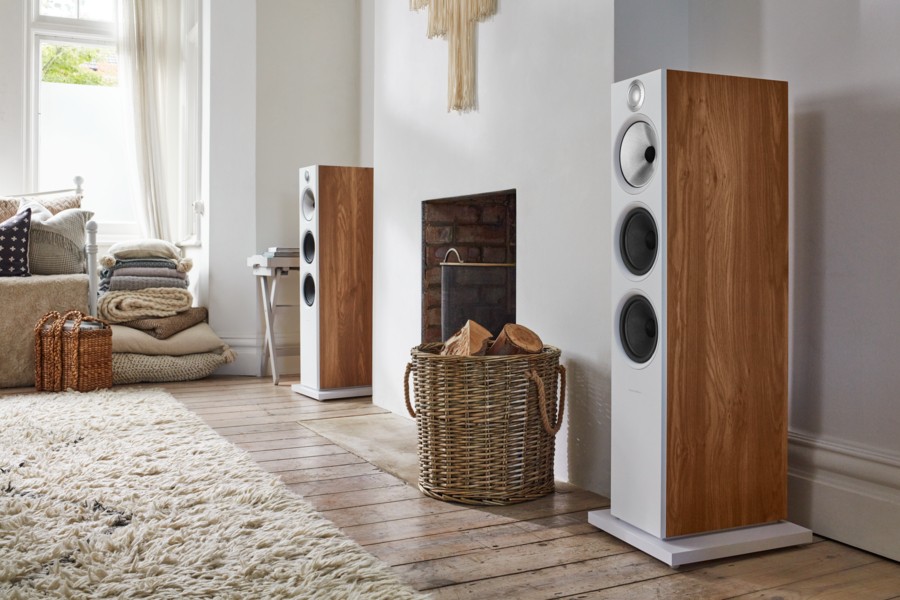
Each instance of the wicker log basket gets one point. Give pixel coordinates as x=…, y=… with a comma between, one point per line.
x=486, y=424
x=68, y=356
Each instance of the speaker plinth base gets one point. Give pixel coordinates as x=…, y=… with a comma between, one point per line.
x=333, y=393
x=708, y=546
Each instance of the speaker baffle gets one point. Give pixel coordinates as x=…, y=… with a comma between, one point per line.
x=309, y=247
x=308, y=204
x=638, y=241
x=638, y=329
x=638, y=154
x=309, y=289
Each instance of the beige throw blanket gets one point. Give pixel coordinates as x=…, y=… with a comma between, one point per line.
x=121, y=306
x=166, y=327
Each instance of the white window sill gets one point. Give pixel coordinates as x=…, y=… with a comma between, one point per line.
x=110, y=232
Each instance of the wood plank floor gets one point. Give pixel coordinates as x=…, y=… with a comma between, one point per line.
x=539, y=549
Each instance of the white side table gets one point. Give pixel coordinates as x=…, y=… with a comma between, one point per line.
x=268, y=270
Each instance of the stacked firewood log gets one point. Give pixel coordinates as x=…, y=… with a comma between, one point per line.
x=474, y=340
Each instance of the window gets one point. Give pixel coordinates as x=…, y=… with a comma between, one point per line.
x=88, y=10
x=76, y=121
x=76, y=113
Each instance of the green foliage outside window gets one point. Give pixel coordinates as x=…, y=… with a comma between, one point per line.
x=74, y=64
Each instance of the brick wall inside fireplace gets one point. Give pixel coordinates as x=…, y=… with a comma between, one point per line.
x=482, y=228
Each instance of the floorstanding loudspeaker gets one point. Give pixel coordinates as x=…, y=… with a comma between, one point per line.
x=700, y=311
x=335, y=282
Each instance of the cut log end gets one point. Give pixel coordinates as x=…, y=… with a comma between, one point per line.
x=471, y=340
x=516, y=339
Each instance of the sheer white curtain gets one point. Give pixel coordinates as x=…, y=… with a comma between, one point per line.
x=149, y=36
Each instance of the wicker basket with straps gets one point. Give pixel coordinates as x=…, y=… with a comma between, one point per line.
x=69, y=356
x=486, y=424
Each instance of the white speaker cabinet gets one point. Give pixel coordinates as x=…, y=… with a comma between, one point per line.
x=699, y=284
x=335, y=282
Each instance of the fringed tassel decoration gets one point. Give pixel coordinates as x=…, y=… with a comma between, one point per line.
x=456, y=19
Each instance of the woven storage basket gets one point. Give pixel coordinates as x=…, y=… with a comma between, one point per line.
x=70, y=354
x=486, y=424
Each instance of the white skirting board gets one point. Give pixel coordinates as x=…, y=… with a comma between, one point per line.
x=333, y=393
x=708, y=546
x=827, y=476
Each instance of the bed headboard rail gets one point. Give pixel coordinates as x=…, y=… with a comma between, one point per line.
x=78, y=189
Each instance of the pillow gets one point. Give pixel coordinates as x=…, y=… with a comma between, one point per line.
x=55, y=204
x=57, y=241
x=14, y=233
x=149, y=248
x=8, y=208
x=194, y=340
x=136, y=368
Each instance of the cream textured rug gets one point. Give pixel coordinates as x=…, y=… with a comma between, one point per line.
x=127, y=494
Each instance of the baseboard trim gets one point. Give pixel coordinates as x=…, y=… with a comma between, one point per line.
x=248, y=351
x=845, y=492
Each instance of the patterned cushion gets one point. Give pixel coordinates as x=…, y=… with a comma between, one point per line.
x=57, y=241
x=14, y=245
x=55, y=204
x=8, y=208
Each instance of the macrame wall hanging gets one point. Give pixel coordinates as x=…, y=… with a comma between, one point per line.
x=455, y=20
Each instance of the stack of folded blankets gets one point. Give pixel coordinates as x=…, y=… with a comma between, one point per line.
x=157, y=335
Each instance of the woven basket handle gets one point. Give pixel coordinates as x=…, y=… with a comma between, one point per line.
x=77, y=316
x=533, y=376
x=40, y=324
x=409, y=407
x=38, y=351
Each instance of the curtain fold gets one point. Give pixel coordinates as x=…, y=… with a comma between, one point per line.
x=146, y=57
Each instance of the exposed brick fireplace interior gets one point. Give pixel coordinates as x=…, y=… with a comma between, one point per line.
x=482, y=228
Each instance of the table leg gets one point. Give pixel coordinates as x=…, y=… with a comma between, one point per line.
x=273, y=352
x=268, y=350
x=264, y=296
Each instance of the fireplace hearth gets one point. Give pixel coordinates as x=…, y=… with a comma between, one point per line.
x=481, y=228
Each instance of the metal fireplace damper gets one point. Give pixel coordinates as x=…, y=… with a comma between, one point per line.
x=482, y=292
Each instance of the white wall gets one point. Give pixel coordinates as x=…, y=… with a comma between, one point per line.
x=300, y=105
x=308, y=102
x=12, y=96
x=229, y=186
x=639, y=38
x=542, y=127
x=366, y=83
x=841, y=62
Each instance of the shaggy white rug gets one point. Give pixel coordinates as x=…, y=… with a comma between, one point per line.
x=127, y=494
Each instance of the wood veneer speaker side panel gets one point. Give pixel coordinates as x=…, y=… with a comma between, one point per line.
x=727, y=210
x=345, y=276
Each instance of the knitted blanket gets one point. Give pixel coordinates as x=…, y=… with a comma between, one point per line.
x=121, y=306
x=110, y=262
x=165, y=327
x=159, y=263
x=148, y=272
x=127, y=282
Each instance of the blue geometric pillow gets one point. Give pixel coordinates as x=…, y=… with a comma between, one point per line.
x=14, y=245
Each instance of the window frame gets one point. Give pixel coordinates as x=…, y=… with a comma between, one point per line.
x=64, y=30
x=43, y=28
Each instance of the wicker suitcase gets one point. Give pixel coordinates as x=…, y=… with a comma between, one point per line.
x=486, y=424
x=72, y=351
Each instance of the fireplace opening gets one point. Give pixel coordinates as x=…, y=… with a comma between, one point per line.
x=468, y=263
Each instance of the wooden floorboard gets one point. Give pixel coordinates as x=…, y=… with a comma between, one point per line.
x=539, y=549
